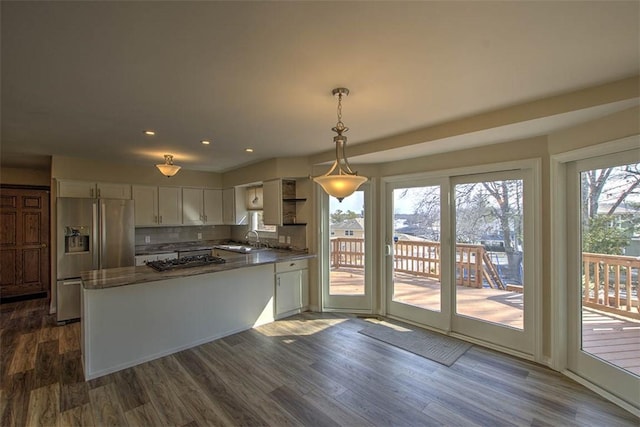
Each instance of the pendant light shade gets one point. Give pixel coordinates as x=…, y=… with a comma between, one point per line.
x=340, y=181
x=167, y=168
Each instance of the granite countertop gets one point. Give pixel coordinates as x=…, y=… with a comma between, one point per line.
x=112, y=277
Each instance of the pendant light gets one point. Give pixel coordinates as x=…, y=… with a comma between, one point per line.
x=340, y=181
x=167, y=168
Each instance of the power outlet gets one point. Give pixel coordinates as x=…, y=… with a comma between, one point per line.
x=147, y=239
x=281, y=239
x=199, y=236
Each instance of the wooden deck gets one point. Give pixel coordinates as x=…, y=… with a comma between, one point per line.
x=612, y=338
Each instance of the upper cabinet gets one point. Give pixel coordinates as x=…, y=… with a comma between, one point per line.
x=157, y=205
x=281, y=204
x=234, y=211
x=170, y=205
x=93, y=190
x=201, y=206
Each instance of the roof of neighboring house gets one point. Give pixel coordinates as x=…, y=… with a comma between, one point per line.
x=350, y=224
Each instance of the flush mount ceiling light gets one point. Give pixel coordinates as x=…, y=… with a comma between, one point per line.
x=149, y=132
x=167, y=168
x=340, y=181
x=205, y=142
x=248, y=150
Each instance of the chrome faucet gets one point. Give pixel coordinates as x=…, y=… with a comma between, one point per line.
x=246, y=236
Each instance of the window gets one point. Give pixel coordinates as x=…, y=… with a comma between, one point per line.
x=348, y=232
x=256, y=223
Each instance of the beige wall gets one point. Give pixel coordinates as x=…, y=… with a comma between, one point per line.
x=99, y=171
x=23, y=176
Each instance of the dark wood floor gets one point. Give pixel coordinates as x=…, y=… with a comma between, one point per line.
x=313, y=369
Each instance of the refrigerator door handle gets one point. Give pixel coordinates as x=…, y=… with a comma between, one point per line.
x=103, y=234
x=95, y=250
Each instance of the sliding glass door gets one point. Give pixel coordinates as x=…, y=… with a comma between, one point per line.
x=461, y=255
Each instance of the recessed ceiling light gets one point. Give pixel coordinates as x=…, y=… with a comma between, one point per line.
x=249, y=150
x=205, y=142
x=149, y=132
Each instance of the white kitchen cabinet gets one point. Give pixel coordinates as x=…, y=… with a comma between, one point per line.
x=169, y=206
x=201, y=206
x=146, y=205
x=281, y=203
x=107, y=190
x=234, y=211
x=272, y=202
x=292, y=287
x=157, y=205
x=93, y=190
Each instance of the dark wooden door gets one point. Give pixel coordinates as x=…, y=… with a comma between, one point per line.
x=24, y=242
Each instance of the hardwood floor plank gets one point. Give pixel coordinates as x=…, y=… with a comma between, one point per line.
x=306, y=413
x=74, y=389
x=143, y=416
x=130, y=391
x=24, y=356
x=16, y=390
x=69, y=338
x=332, y=408
x=162, y=395
x=79, y=416
x=47, y=365
x=214, y=387
x=106, y=407
x=44, y=406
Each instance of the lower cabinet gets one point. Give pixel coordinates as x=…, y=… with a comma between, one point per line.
x=292, y=287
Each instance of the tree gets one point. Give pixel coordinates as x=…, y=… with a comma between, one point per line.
x=339, y=216
x=602, y=237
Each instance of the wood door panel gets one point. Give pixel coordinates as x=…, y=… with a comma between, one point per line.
x=24, y=238
x=8, y=201
x=8, y=229
x=31, y=233
x=31, y=261
x=32, y=202
x=7, y=267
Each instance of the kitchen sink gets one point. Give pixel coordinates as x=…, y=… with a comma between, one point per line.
x=241, y=249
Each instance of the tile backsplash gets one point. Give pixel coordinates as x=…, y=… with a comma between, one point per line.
x=293, y=236
x=157, y=235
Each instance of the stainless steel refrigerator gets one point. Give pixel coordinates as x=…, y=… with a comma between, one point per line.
x=92, y=234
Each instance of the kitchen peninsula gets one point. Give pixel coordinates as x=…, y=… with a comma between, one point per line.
x=131, y=315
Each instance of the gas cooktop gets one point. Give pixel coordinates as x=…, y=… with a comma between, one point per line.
x=185, y=262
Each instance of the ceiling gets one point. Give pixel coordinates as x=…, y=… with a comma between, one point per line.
x=84, y=79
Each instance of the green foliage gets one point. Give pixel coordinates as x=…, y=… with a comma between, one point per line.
x=338, y=216
x=602, y=236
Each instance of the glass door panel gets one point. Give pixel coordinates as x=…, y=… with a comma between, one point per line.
x=610, y=240
x=493, y=256
x=417, y=226
x=603, y=211
x=489, y=251
x=347, y=265
x=416, y=247
x=346, y=245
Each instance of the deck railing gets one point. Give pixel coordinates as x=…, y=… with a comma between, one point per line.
x=610, y=283
x=610, y=275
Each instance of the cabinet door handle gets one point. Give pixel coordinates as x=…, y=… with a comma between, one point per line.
x=91, y=193
x=98, y=193
x=205, y=218
x=278, y=281
x=160, y=219
x=155, y=219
